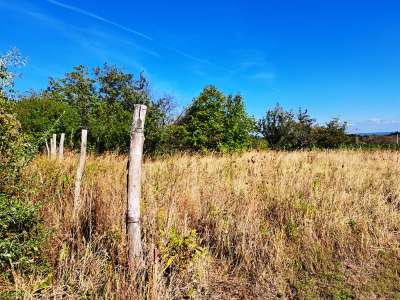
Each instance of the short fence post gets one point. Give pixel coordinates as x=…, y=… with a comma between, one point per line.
x=47, y=149
x=397, y=139
x=134, y=182
x=79, y=171
x=61, y=147
x=53, y=146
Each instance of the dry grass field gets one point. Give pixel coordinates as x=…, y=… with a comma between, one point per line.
x=258, y=225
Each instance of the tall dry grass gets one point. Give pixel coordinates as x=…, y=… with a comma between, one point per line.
x=299, y=225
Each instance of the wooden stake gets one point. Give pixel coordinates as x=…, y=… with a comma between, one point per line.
x=79, y=171
x=61, y=147
x=134, y=182
x=53, y=146
x=47, y=149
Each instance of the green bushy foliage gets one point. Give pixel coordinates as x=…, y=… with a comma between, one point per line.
x=332, y=135
x=216, y=122
x=181, y=250
x=286, y=130
x=101, y=101
x=21, y=235
x=12, y=147
x=21, y=232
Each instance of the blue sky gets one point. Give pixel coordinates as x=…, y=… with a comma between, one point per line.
x=335, y=58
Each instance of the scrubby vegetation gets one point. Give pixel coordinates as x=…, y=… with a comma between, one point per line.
x=299, y=225
x=218, y=222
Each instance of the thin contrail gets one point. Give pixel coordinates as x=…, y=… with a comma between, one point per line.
x=127, y=29
x=99, y=18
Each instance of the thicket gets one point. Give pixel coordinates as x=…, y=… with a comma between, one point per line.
x=287, y=130
x=21, y=231
x=102, y=100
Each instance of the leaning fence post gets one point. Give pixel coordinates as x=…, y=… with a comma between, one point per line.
x=53, y=146
x=134, y=181
x=79, y=171
x=61, y=147
x=47, y=149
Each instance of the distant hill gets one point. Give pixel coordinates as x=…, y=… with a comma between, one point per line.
x=373, y=133
x=375, y=138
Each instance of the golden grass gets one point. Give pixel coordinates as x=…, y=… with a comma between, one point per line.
x=298, y=225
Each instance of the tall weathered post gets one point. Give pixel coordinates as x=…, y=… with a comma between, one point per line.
x=134, y=182
x=53, y=146
x=61, y=147
x=79, y=171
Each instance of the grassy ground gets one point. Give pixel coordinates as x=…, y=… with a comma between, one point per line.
x=267, y=225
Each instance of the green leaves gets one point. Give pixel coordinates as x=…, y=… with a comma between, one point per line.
x=181, y=250
x=103, y=102
x=21, y=234
x=216, y=122
x=286, y=130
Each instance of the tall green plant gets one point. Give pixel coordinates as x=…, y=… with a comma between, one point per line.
x=21, y=233
x=216, y=122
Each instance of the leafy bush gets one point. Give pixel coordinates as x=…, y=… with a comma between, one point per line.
x=21, y=235
x=20, y=227
x=180, y=250
x=216, y=122
x=12, y=147
x=101, y=101
x=286, y=130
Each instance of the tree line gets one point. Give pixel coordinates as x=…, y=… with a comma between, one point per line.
x=101, y=100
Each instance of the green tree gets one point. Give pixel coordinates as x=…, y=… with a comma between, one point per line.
x=278, y=127
x=286, y=130
x=238, y=125
x=117, y=86
x=204, y=120
x=215, y=122
x=101, y=101
x=38, y=113
x=78, y=90
x=331, y=135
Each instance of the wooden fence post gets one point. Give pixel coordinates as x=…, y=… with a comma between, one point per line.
x=61, y=147
x=53, y=146
x=134, y=182
x=47, y=149
x=79, y=171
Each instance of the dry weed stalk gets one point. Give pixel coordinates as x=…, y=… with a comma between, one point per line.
x=306, y=224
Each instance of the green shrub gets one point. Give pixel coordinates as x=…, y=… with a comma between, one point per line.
x=21, y=235
x=181, y=250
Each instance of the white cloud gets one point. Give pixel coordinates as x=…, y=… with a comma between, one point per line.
x=374, y=125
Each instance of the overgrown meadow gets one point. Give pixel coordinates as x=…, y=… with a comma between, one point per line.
x=266, y=225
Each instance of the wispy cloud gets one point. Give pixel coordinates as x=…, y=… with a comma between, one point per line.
x=99, y=18
x=264, y=76
x=127, y=29
x=374, y=125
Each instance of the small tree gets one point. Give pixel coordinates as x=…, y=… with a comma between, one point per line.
x=204, y=120
x=332, y=135
x=216, y=122
x=238, y=125
x=279, y=127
